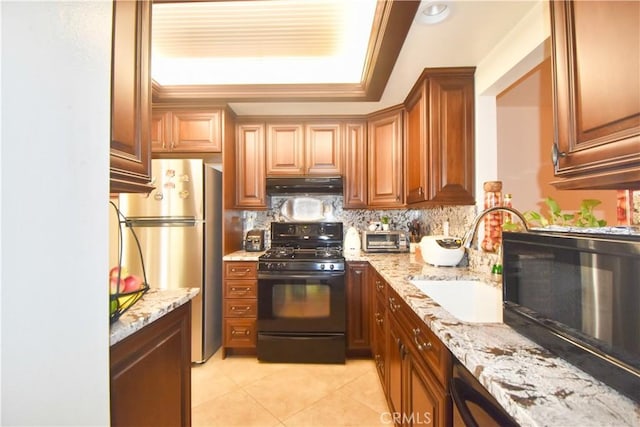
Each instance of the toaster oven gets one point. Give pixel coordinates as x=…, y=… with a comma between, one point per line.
x=385, y=241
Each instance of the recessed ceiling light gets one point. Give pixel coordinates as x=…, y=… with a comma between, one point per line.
x=434, y=12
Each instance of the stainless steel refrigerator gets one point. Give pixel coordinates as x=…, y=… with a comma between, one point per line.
x=179, y=227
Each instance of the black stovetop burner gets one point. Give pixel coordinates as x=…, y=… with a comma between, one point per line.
x=307, y=245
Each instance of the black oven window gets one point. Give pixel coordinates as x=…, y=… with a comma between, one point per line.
x=296, y=301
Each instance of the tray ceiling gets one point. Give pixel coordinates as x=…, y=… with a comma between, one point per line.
x=232, y=49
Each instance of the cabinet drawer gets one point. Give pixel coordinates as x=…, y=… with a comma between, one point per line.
x=240, y=270
x=421, y=340
x=240, y=308
x=239, y=332
x=240, y=289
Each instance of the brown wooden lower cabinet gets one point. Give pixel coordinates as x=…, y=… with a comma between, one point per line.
x=240, y=291
x=151, y=373
x=358, y=306
x=415, y=364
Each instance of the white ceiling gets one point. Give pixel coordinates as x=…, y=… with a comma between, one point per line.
x=468, y=35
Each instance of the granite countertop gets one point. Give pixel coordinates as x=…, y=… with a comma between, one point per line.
x=242, y=256
x=534, y=386
x=153, y=305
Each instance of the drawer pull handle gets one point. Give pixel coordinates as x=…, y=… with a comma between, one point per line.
x=392, y=304
x=245, y=332
x=379, y=285
x=237, y=270
x=421, y=346
x=379, y=319
x=235, y=307
x=235, y=289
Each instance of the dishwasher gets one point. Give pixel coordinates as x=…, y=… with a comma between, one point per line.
x=473, y=406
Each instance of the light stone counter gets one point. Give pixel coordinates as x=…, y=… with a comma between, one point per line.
x=242, y=256
x=534, y=386
x=153, y=305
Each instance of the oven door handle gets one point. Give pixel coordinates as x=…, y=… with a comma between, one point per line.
x=284, y=275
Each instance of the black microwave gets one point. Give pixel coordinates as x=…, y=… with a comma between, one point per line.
x=578, y=295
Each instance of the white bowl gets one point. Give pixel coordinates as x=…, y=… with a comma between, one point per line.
x=441, y=250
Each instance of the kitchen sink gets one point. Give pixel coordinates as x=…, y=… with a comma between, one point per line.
x=470, y=301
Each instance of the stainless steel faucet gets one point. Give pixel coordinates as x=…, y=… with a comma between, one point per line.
x=468, y=238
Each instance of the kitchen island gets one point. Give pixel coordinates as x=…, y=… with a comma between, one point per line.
x=150, y=360
x=534, y=386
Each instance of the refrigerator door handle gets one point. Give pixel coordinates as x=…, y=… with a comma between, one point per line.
x=161, y=221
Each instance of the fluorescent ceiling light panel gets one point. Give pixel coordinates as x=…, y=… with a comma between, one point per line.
x=261, y=42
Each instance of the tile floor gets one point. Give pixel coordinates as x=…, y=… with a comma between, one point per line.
x=240, y=391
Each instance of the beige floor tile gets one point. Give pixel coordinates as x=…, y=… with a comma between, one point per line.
x=240, y=391
x=367, y=389
x=247, y=369
x=236, y=408
x=336, y=410
x=209, y=385
x=284, y=394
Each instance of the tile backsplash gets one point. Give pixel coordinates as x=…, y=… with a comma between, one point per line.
x=432, y=219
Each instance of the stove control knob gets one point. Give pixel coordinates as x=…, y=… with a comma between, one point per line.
x=281, y=266
x=331, y=267
x=321, y=266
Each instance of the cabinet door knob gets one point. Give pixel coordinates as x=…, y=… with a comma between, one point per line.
x=556, y=154
x=421, y=346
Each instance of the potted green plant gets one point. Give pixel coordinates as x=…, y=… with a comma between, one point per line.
x=583, y=217
x=385, y=222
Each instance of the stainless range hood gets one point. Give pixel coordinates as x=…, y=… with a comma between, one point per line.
x=331, y=185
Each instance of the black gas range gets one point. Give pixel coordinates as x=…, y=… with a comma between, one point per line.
x=308, y=246
x=301, y=295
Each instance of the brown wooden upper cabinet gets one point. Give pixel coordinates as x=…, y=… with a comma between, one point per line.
x=304, y=148
x=596, y=69
x=130, y=156
x=355, y=164
x=384, y=150
x=250, y=166
x=187, y=131
x=439, y=138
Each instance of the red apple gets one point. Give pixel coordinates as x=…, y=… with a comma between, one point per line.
x=115, y=271
x=113, y=285
x=132, y=283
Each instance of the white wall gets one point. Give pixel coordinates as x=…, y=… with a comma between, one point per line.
x=54, y=225
x=520, y=51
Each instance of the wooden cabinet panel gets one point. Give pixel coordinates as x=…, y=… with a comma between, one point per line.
x=240, y=270
x=197, y=131
x=250, y=167
x=240, y=305
x=385, y=172
x=151, y=373
x=239, y=333
x=285, y=149
x=379, y=322
x=439, y=159
x=130, y=156
x=427, y=402
x=418, y=368
x=596, y=93
x=358, y=306
x=451, y=141
x=160, y=129
x=323, y=148
x=355, y=167
x=241, y=288
x=416, y=158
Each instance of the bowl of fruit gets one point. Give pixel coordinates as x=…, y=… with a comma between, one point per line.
x=124, y=291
